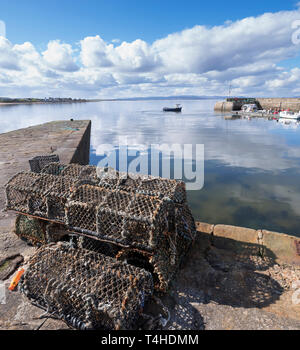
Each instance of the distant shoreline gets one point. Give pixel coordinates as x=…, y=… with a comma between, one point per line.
x=153, y=98
x=40, y=103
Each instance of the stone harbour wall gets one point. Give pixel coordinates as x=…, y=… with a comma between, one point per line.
x=278, y=246
x=280, y=103
x=265, y=103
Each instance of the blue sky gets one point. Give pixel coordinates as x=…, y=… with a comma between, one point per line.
x=120, y=48
x=39, y=21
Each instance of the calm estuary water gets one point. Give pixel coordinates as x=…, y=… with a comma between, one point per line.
x=252, y=167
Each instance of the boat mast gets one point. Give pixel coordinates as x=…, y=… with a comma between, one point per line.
x=229, y=90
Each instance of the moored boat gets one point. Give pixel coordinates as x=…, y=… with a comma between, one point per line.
x=249, y=108
x=177, y=109
x=289, y=115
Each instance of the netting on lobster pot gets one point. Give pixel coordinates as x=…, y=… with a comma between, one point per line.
x=56, y=232
x=147, y=221
x=39, y=162
x=53, y=169
x=33, y=231
x=185, y=223
x=164, y=261
x=72, y=170
x=18, y=191
x=173, y=249
x=160, y=187
x=109, y=178
x=86, y=289
x=96, y=245
x=57, y=196
x=81, y=173
x=41, y=195
x=145, y=184
x=120, y=217
x=81, y=209
x=37, y=202
x=89, y=172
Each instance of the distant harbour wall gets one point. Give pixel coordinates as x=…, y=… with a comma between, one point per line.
x=280, y=103
x=224, y=106
x=264, y=103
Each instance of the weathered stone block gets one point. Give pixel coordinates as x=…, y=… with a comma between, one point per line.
x=284, y=247
x=241, y=234
x=241, y=241
x=205, y=227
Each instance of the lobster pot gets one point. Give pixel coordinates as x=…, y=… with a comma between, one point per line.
x=57, y=196
x=144, y=184
x=120, y=217
x=81, y=210
x=163, y=188
x=41, y=195
x=112, y=217
x=109, y=178
x=127, y=182
x=38, y=232
x=33, y=231
x=96, y=245
x=25, y=193
x=38, y=163
x=185, y=223
x=56, y=232
x=18, y=191
x=37, y=202
x=86, y=289
x=72, y=170
x=164, y=262
x=81, y=173
x=173, y=250
x=53, y=169
x=146, y=221
x=78, y=173
x=89, y=172
x=138, y=218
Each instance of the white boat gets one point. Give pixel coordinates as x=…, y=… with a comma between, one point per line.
x=248, y=108
x=289, y=115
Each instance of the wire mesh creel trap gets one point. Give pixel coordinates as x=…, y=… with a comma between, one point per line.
x=39, y=162
x=116, y=180
x=86, y=289
x=143, y=220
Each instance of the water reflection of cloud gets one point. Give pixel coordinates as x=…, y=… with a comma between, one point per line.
x=288, y=196
x=237, y=143
x=248, y=144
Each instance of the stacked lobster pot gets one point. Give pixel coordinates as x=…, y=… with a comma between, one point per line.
x=87, y=290
x=130, y=220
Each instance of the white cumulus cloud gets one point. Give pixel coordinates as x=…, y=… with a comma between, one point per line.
x=255, y=54
x=59, y=56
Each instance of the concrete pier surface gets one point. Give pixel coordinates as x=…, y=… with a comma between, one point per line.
x=232, y=278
